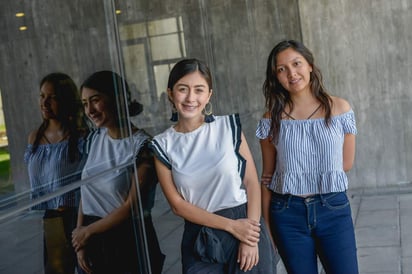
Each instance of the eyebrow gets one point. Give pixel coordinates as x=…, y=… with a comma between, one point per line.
x=91, y=97
x=292, y=60
x=200, y=85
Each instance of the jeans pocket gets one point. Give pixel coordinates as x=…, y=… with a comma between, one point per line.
x=337, y=201
x=277, y=205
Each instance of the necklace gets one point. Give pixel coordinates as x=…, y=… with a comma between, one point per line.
x=58, y=141
x=310, y=116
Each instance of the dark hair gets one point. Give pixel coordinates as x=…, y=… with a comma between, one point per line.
x=69, y=110
x=186, y=66
x=112, y=84
x=277, y=97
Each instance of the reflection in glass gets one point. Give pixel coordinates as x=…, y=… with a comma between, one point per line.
x=53, y=159
x=147, y=48
x=108, y=215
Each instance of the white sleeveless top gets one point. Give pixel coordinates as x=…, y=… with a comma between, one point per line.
x=109, y=192
x=206, y=166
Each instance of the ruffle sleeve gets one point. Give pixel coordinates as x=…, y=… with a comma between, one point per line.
x=156, y=147
x=263, y=128
x=349, y=123
x=27, y=152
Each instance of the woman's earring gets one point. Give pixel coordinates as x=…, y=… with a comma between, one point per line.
x=175, y=116
x=208, y=111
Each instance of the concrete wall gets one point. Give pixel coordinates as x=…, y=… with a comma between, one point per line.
x=64, y=36
x=361, y=47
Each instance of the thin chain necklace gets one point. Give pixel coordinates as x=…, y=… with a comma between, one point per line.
x=310, y=116
x=61, y=139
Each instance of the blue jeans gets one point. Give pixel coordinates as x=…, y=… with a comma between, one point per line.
x=320, y=225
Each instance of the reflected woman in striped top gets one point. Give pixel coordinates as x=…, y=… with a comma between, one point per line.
x=307, y=140
x=53, y=157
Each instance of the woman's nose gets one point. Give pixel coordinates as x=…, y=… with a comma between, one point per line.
x=88, y=109
x=190, y=95
x=45, y=101
x=291, y=72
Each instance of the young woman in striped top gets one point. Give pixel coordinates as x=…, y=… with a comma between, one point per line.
x=53, y=161
x=307, y=140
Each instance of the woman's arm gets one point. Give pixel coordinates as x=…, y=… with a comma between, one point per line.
x=246, y=230
x=80, y=253
x=340, y=106
x=348, y=151
x=268, y=167
x=248, y=256
x=251, y=182
x=82, y=233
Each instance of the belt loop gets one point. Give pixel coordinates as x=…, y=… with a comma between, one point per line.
x=288, y=202
x=322, y=199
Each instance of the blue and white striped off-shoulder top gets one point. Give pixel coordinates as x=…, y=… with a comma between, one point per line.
x=309, y=157
x=49, y=168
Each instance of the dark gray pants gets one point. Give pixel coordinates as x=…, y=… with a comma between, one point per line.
x=207, y=250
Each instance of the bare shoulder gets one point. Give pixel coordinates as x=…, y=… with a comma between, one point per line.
x=267, y=115
x=32, y=137
x=340, y=105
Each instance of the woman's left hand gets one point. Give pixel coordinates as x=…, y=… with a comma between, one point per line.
x=248, y=256
x=82, y=261
x=79, y=237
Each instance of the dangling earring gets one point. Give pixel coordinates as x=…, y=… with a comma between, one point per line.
x=208, y=111
x=175, y=116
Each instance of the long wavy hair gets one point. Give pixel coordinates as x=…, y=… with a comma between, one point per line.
x=69, y=111
x=277, y=97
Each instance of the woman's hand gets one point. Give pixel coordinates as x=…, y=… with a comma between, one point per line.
x=80, y=236
x=247, y=231
x=248, y=256
x=82, y=261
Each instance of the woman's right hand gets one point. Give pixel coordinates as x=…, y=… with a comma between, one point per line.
x=82, y=261
x=246, y=230
x=80, y=236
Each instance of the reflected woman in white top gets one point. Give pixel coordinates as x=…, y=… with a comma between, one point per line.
x=106, y=240
x=308, y=143
x=208, y=176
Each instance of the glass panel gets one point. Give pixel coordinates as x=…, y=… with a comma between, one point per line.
x=59, y=155
x=163, y=26
x=141, y=40
x=173, y=50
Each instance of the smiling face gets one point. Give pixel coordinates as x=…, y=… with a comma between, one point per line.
x=190, y=95
x=49, y=106
x=97, y=107
x=293, y=71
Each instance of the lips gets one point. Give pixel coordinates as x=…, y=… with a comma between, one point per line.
x=94, y=118
x=189, y=107
x=294, y=81
x=47, y=111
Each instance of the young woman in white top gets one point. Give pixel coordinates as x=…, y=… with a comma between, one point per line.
x=308, y=143
x=105, y=238
x=208, y=176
